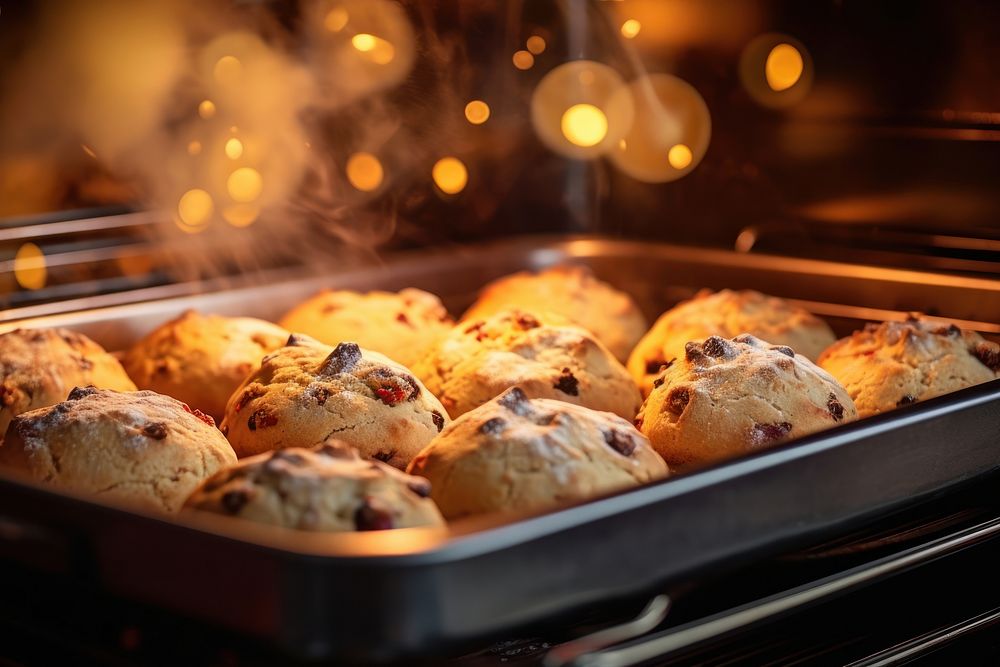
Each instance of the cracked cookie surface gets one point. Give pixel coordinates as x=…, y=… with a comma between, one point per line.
x=307, y=392
x=324, y=488
x=141, y=448
x=888, y=365
x=726, y=313
x=201, y=359
x=520, y=454
x=724, y=398
x=401, y=325
x=39, y=367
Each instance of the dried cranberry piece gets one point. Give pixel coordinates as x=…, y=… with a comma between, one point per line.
x=371, y=515
x=261, y=419
x=907, y=399
x=717, y=347
x=343, y=359
x=235, y=500
x=208, y=419
x=678, y=399
x=835, y=407
x=493, y=426
x=620, y=442
x=567, y=383
x=155, y=430
x=762, y=434
x=784, y=349
x=989, y=354
x=390, y=388
x=438, y=419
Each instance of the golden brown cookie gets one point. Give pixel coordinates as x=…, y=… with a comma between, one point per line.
x=202, y=359
x=520, y=454
x=140, y=448
x=891, y=364
x=324, y=488
x=574, y=293
x=725, y=398
x=39, y=367
x=402, y=326
x=307, y=392
x=482, y=358
x=726, y=313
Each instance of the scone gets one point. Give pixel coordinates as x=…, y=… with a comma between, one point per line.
x=724, y=398
x=887, y=365
x=574, y=293
x=482, y=358
x=306, y=392
x=141, y=448
x=402, y=326
x=40, y=367
x=520, y=454
x=726, y=313
x=202, y=359
x=324, y=488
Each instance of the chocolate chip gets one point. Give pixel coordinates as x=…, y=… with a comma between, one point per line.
x=693, y=351
x=208, y=419
x=493, y=426
x=835, y=407
x=526, y=321
x=342, y=360
x=261, y=419
x=155, y=430
x=763, y=434
x=784, y=349
x=717, y=347
x=320, y=394
x=515, y=400
x=678, y=399
x=234, y=501
x=372, y=516
x=567, y=383
x=295, y=339
x=906, y=400
x=438, y=419
x=658, y=382
x=403, y=319
x=253, y=391
x=655, y=365
x=620, y=442
x=419, y=486
x=989, y=354
x=80, y=392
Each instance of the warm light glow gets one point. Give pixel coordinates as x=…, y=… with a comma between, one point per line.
x=241, y=215
x=679, y=156
x=195, y=209
x=523, y=59
x=245, y=184
x=228, y=70
x=363, y=42
x=631, y=28
x=535, y=44
x=477, y=112
x=29, y=267
x=336, y=19
x=783, y=67
x=364, y=171
x=194, y=148
x=450, y=175
x=584, y=125
x=234, y=148
x=206, y=109
x=379, y=50
x=88, y=150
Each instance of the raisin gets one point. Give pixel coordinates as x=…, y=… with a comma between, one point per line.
x=620, y=442
x=717, y=347
x=261, y=419
x=678, y=399
x=763, y=434
x=989, y=354
x=493, y=426
x=526, y=321
x=567, y=383
x=658, y=382
x=692, y=351
x=419, y=486
x=438, y=419
x=371, y=516
x=343, y=359
x=208, y=419
x=80, y=392
x=784, y=349
x=234, y=501
x=835, y=407
x=155, y=430
x=907, y=399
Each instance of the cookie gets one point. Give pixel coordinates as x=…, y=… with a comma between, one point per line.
x=574, y=293
x=324, y=488
x=307, y=392
x=402, y=326
x=726, y=313
x=724, y=398
x=888, y=365
x=515, y=453
x=140, y=448
x=481, y=359
x=202, y=359
x=39, y=367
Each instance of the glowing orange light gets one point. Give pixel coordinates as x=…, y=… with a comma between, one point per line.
x=363, y=42
x=364, y=171
x=241, y=215
x=477, y=112
x=195, y=209
x=234, y=148
x=29, y=267
x=378, y=49
x=228, y=70
x=584, y=125
x=450, y=175
x=631, y=28
x=535, y=44
x=679, y=156
x=523, y=60
x=88, y=150
x=206, y=109
x=336, y=19
x=783, y=67
x=244, y=184
x=194, y=148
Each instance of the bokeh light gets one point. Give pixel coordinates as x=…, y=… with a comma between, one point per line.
x=241, y=215
x=29, y=267
x=631, y=28
x=228, y=70
x=234, y=148
x=245, y=184
x=194, y=147
x=364, y=171
x=523, y=60
x=679, y=156
x=584, y=125
x=195, y=209
x=450, y=175
x=783, y=67
x=776, y=70
x=206, y=109
x=535, y=44
x=336, y=19
x=477, y=112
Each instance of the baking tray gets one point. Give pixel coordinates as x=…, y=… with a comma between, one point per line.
x=386, y=595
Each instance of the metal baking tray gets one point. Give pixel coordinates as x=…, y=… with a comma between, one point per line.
x=386, y=595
